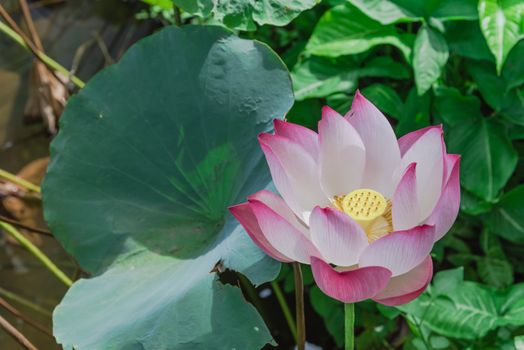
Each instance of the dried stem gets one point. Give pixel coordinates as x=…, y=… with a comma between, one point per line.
x=25, y=227
x=31, y=25
x=14, y=32
x=13, y=332
x=15, y=312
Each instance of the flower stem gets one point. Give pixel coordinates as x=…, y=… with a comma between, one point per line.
x=349, y=326
x=36, y=252
x=178, y=17
x=285, y=309
x=19, y=181
x=299, y=304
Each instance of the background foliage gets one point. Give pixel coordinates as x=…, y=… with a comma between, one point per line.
x=455, y=63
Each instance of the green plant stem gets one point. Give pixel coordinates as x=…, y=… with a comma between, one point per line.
x=42, y=56
x=23, y=301
x=19, y=181
x=349, y=326
x=285, y=309
x=36, y=252
x=177, y=15
x=299, y=305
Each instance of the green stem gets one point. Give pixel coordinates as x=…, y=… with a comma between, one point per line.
x=37, y=253
x=349, y=326
x=23, y=301
x=285, y=309
x=19, y=181
x=42, y=56
x=177, y=15
x=299, y=306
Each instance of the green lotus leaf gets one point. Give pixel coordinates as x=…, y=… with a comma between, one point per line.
x=149, y=156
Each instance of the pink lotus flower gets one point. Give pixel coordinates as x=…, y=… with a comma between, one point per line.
x=361, y=207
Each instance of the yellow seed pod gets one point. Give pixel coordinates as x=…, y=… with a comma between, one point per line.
x=364, y=205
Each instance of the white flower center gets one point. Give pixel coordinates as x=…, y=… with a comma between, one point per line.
x=370, y=209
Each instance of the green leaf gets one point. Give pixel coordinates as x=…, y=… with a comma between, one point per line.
x=455, y=108
x=466, y=312
x=513, y=71
x=466, y=39
x=331, y=311
x=502, y=22
x=345, y=30
x=472, y=204
x=491, y=86
x=384, y=67
x=386, y=12
x=494, y=268
x=385, y=98
x=393, y=11
x=488, y=157
x=306, y=113
x=455, y=308
x=510, y=304
x=507, y=217
x=519, y=342
x=452, y=10
x=242, y=14
x=149, y=156
x=165, y=4
x=415, y=113
x=496, y=89
x=495, y=272
x=430, y=54
x=340, y=102
x=446, y=281
x=323, y=76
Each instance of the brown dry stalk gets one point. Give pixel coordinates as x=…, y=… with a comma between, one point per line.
x=15, y=312
x=16, y=335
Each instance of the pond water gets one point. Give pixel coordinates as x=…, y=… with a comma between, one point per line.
x=75, y=35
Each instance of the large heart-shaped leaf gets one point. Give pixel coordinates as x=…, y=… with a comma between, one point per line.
x=242, y=14
x=345, y=30
x=502, y=22
x=148, y=158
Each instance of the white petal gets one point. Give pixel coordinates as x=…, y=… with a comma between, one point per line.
x=427, y=152
x=338, y=238
x=342, y=154
x=382, y=151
